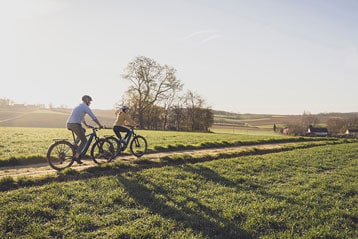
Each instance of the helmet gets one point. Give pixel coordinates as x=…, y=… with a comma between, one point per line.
x=124, y=107
x=86, y=97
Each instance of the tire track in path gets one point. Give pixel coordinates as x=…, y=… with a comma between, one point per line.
x=36, y=170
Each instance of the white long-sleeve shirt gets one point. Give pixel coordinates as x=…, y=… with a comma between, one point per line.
x=78, y=113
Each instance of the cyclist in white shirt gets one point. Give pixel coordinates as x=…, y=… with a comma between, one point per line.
x=74, y=123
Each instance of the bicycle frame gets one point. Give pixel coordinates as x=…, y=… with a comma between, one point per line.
x=128, y=139
x=90, y=138
x=136, y=143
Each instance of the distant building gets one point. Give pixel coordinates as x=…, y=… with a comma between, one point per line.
x=315, y=131
x=352, y=132
x=285, y=131
x=19, y=105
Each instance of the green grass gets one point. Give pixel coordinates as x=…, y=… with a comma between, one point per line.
x=303, y=193
x=20, y=145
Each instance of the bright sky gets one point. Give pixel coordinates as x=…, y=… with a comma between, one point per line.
x=243, y=56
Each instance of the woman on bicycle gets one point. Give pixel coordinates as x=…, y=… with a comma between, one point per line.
x=123, y=119
x=74, y=123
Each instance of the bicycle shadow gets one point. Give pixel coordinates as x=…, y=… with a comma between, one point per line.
x=201, y=218
x=209, y=175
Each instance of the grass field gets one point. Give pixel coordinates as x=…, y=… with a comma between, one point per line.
x=302, y=193
x=21, y=144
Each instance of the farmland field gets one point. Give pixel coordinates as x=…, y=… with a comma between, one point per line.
x=262, y=130
x=302, y=193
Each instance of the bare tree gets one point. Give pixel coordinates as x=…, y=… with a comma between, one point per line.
x=167, y=106
x=6, y=102
x=151, y=83
x=352, y=122
x=195, y=115
x=336, y=125
x=309, y=119
x=176, y=116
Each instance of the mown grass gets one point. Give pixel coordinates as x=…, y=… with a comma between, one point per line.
x=29, y=145
x=303, y=193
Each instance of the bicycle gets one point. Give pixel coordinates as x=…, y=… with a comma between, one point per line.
x=137, y=144
x=61, y=153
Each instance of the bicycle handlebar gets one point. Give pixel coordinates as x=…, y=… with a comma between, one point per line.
x=104, y=127
x=96, y=128
x=132, y=127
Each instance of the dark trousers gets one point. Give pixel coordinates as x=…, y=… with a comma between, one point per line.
x=80, y=133
x=117, y=129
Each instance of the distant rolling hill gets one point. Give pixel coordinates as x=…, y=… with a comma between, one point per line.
x=57, y=117
x=47, y=118
x=226, y=119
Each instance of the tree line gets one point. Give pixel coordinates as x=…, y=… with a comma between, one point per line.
x=6, y=102
x=157, y=102
x=335, y=124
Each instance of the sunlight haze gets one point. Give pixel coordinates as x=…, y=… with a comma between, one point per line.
x=261, y=56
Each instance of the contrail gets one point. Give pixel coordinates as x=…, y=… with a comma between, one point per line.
x=211, y=38
x=204, y=35
x=199, y=33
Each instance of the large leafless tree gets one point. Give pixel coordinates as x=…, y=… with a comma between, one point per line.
x=151, y=83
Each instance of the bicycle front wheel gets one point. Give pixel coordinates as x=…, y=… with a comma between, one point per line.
x=138, y=146
x=60, y=155
x=102, y=151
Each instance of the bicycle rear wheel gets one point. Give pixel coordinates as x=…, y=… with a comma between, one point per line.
x=138, y=146
x=102, y=151
x=115, y=142
x=60, y=155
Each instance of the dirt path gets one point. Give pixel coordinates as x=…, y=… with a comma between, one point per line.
x=45, y=169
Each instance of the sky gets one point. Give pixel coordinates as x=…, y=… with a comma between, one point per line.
x=241, y=56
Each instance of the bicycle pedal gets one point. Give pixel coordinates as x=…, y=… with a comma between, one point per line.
x=78, y=161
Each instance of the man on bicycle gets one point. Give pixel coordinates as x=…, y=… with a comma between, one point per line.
x=74, y=123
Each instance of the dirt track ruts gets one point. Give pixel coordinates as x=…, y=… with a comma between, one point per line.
x=45, y=169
